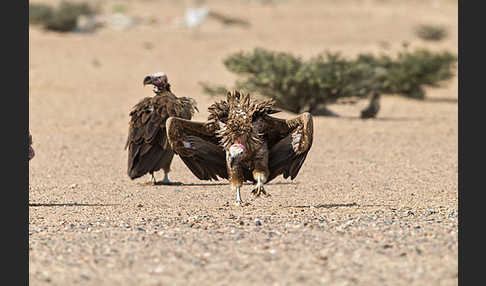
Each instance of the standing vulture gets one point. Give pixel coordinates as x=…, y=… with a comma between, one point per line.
x=241, y=142
x=31, y=150
x=148, y=148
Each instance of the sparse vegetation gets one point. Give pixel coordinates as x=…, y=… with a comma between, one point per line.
x=298, y=85
x=60, y=19
x=39, y=13
x=431, y=32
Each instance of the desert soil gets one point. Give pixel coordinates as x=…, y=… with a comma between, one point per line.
x=375, y=202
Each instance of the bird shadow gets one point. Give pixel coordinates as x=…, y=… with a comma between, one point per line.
x=346, y=205
x=224, y=184
x=203, y=184
x=282, y=183
x=441, y=100
x=69, y=205
x=383, y=118
x=327, y=206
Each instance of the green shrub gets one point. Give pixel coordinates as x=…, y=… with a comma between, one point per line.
x=66, y=16
x=298, y=85
x=411, y=71
x=61, y=19
x=39, y=13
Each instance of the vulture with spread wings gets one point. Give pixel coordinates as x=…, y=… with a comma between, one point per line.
x=241, y=142
x=148, y=148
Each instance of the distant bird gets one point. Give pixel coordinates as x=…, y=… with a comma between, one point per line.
x=372, y=109
x=148, y=148
x=241, y=142
x=31, y=150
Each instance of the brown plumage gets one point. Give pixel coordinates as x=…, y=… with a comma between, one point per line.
x=241, y=142
x=148, y=148
x=31, y=149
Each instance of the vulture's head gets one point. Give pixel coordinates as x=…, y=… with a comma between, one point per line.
x=243, y=121
x=235, y=154
x=158, y=80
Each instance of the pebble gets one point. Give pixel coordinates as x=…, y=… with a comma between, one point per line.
x=408, y=213
x=258, y=222
x=159, y=269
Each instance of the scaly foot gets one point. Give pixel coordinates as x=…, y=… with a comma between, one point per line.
x=166, y=181
x=259, y=190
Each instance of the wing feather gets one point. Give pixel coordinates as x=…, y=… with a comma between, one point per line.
x=148, y=148
x=198, y=148
x=289, y=141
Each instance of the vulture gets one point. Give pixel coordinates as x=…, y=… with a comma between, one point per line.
x=31, y=150
x=241, y=141
x=148, y=148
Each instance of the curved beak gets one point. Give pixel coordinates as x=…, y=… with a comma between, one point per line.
x=232, y=160
x=147, y=80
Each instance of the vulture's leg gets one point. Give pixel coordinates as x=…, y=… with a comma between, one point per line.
x=167, y=159
x=238, y=196
x=166, y=181
x=152, y=181
x=261, y=178
x=239, y=201
x=166, y=178
x=261, y=172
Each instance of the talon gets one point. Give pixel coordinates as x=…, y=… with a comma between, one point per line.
x=259, y=190
x=166, y=181
x=242, y=204
x=255, y=193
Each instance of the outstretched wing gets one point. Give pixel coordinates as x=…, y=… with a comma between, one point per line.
x=289, y=141
x=198, y=148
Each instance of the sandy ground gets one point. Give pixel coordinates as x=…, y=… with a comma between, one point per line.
x=375, y=202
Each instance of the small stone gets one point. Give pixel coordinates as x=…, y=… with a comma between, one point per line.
x=408, y=213
x=159, y=269
x=258, y=222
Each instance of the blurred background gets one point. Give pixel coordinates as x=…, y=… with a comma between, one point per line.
x=97, y=52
